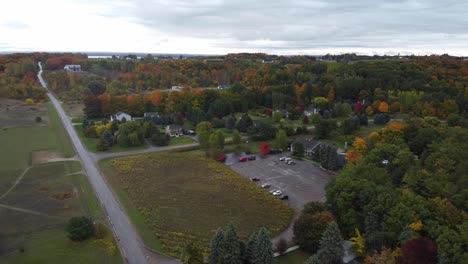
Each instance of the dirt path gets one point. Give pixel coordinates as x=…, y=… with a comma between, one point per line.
x=14, y=208
x=16, y=182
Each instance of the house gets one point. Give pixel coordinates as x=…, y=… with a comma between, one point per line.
x=222, y=87
x=284, y=113
x=174, y=130
x=269, y=60
x=121, y=117
x=72, y=67
x=150, y=115
x=311, y=111
x=177, y=88
x=310, y=145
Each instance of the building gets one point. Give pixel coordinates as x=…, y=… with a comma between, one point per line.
x=121, y=117
x=310, y=145
x=284, y=113
x=72, y=67
x=151, y=115
x=174, y=130
x=311, y=111
x=222, y=87
x=177, y=88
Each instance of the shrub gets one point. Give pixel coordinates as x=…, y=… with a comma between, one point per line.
x=80, y=228
x=381, y=119
x=38, y=119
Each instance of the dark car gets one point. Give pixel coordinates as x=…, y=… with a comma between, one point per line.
x=284, y=197
x=252, y=158
x=275, y=151
x=255, y=179
x=221, y=159
x=242, y=159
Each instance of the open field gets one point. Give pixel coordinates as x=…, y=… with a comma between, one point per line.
x=91, y=143
x=73, y=110
x=40, y=189
x=181, y=140
x=178, y=198
x=15, y=113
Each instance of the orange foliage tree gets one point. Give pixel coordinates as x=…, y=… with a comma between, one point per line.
x=383, y=107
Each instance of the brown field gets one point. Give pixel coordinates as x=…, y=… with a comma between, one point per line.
x=73, y=109
x=16, y=113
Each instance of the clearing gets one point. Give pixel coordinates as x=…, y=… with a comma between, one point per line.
x=177, y=198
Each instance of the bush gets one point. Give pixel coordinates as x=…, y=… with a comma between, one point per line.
x=381, y=119
x=281, y=246
x=80, y=228
x=160, y=139
x=90, y=132
x=38, y=119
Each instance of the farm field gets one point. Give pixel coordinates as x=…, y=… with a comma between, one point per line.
x=178, y=198
x=41, y=187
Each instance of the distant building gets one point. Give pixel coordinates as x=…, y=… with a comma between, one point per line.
x=174, y=130
x=269, y=60
x=177, y=88
x=72, y=67
x=150, y=115
x=222, y=87
x=311, y=111
x=121, y=117
x=310, y=145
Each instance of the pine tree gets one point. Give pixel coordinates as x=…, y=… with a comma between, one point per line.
x=313, y=260
x=231, y=246
x=264, y=253
x=251, y=248
x=331, y=245
x=216, y=248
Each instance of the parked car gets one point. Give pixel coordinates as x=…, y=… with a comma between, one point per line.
x=275, y=151
x=273, y=191
x=252, y=158
x=191, y=133
x=284, y=197
x=282, y=158
x=287, y=160
x=221, y=159
x=277, y=193
x=254, y=179
x=242, y=159
x=290, y=162
x=266, y=185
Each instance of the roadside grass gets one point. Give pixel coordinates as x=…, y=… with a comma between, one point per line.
x=52, y=246
x=184, y=197
x=59, y=130
x=294, y=257
x=91, y=143
x=181, y=140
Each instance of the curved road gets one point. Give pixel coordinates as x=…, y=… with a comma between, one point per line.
x=131, y=246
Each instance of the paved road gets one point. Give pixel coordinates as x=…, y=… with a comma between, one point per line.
x=129, y=242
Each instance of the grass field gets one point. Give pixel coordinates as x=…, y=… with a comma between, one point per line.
x=181, y=140
x=35, y=210
x=295, y=257
x=91, y=143
x=177, y=198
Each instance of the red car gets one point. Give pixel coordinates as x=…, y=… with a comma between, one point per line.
x=222, y=159
x=242, y=159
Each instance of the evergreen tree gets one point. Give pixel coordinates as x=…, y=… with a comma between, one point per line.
x=251, y=248
x=216, y=248
x=264, y=252
x=331, y=245
x=313, y=260
x=231, y=247
x=281, y=140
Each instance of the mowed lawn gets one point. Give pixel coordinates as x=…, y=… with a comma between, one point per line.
x=34, y=212
x=177, y=198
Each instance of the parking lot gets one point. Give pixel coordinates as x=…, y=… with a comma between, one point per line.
x=302, y=182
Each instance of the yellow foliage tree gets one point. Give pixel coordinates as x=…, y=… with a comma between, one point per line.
x=358, y=242
x=416, y=226
x=383, y=107
x=369, y=110
x=101, y=128
x=331, y=95
x=360, y=146
x=29, y=101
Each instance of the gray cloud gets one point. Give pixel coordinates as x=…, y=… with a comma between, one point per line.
x=301, y=24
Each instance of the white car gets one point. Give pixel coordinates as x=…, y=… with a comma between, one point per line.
x=287, y=160
x=282, y=158
x=290, y=162
x=277, y=193
x=265, y=185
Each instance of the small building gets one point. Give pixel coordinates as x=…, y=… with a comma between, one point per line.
x=177, y=88
x=121, y=117
x=269, y=60
x=72, y=67
x=222, y=87
x=151, y=115
x=174, y=130
x=311, y=111
x=310, y=145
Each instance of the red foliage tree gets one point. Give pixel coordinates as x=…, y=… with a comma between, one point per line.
x=264, y=149
x=359, y=107
x=419, y=250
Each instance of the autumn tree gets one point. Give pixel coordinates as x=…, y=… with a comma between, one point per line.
x=264, y=149
x=383, y=107
x=420, y=250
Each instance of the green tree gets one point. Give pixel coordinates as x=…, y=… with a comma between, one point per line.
x=244, y=123
x=264, y=252
x=324, y=127
x=216, y=247
x=80, y=228
x=237, y=140
x=232, y=251
x=192, y=255
x=320, y=102
x=308, y=229
x=331, y=245
x=281, y=139
x=204, y=131
x=298, y=148
x=342, y=109
x=251, y=248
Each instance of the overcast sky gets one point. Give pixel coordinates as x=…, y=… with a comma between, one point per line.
x=219, y=27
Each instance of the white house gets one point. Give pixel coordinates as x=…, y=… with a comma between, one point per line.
x=177, y=88
x=174, y=130
x=121, y=117
x=72, y=67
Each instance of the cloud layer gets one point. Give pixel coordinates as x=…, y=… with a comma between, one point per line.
x=273, y=26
